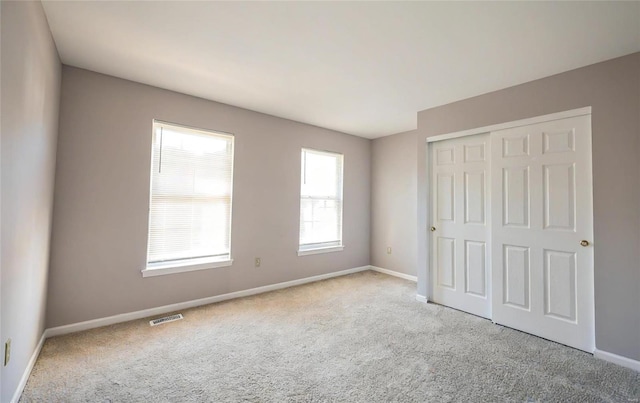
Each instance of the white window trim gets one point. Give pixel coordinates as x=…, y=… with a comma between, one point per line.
x=320, y=250
x=181, y=266
x=192, y=264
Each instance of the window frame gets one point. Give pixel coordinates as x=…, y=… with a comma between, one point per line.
x=159, y=268
x=329, y=246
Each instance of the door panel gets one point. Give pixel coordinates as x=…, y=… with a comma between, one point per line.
x=516, y=276
x=515, y=145
x=460, y=215
x=447, y=262
x=474, y=196
x=446, y=196
x=516, y=196
x=558, y=142
x=475, y=269
x=445, y=156
x=542, y=278
x=559, y=193
x=560, y=284
x=474, y=152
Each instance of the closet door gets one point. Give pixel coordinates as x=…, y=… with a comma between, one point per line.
x=459, y=224
x=542, y=230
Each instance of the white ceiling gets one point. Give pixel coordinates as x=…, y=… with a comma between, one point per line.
x=363, y=68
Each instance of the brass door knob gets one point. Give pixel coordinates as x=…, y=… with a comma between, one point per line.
x=433, y=229
x=584, y=243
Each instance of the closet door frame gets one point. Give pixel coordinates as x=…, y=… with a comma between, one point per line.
x=480, y=130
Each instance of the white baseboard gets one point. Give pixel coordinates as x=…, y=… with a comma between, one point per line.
x=125, y=317
x=421, y=298
x=27, y=371
x=395, y=273
x=617, y=359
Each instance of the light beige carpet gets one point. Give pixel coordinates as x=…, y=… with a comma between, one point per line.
x=358, y=338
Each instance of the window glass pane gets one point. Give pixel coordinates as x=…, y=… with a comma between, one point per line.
x=191, y=183
x=321, y=175
x=320, y=199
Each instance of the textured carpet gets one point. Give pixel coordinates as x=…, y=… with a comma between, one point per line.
x=358, y=338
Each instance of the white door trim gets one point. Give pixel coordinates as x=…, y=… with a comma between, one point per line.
x=516, y=123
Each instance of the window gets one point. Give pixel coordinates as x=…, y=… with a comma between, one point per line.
x=320, y=202
x=190, y=208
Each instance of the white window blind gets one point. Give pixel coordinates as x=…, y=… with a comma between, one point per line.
x=320, y=200
x=191, y=188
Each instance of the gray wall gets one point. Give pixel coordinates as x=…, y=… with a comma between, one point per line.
x=394, y=202
x=30, y=82
x=612, y=88
x=102, y=199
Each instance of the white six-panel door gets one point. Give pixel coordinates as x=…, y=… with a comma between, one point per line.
x=460, y=219
x=541, y=212
x=512, y=228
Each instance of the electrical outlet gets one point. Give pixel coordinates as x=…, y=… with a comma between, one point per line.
x=258, y=261
x=388, y=250
x=7, y=352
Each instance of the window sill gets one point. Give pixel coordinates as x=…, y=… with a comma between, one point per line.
x=161, y=269
x=320, y=250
